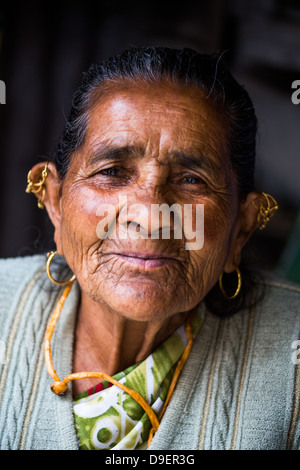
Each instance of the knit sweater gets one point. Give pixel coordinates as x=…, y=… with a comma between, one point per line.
x=238, y=390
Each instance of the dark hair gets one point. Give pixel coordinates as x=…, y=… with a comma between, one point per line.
x=186, y=67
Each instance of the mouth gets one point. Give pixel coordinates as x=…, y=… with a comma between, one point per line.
x=146, y=260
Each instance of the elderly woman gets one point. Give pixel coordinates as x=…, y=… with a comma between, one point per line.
x=158, y=337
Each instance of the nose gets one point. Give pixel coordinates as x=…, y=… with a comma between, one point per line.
x=149, y=211
x=150, y=220
x=153, y=178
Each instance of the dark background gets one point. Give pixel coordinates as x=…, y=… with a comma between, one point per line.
x=44, y=50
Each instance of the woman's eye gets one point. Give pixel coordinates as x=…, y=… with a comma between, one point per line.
x=116, y=175
x=193, y=180
x=114, y=171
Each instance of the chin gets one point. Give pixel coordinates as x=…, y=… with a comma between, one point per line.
x=144, y=302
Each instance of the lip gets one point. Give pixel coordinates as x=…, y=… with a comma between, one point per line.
x=146, y=260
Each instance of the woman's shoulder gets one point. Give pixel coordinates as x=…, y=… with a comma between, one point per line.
x=18, y=274
x=275, y=281
x=276, y=317
x=20, y=285
x=280, y=293
x=20, y=267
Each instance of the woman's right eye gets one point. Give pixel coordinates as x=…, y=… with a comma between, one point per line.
x=113, y=171
x=115, y=175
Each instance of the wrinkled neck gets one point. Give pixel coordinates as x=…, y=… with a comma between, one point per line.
x=106, y=341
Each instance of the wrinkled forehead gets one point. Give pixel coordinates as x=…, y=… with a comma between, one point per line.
x=159, y=116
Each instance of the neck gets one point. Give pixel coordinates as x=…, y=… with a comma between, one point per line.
x=106, y=341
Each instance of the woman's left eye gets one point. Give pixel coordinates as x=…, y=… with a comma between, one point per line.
x=113, y=171
x=193, y=180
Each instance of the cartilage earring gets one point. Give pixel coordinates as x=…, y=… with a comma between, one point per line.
x=39, y=186
x=265, y=212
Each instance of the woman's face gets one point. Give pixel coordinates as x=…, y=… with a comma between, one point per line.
x=148, y=145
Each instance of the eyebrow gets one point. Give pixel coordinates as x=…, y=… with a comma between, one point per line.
x=121, y=153
x=195, y=161
x=115, y=153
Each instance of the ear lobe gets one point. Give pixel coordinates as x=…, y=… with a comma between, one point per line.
x=246, y=223
x=52, y=186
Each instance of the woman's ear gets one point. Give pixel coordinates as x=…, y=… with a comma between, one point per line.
x=52, y=195
x=247, y=221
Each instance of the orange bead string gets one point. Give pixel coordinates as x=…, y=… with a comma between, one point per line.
x=59, y=387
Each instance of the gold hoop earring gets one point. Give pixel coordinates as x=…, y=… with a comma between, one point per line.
x=49, y=260
x=39, y=186
x=238, y=286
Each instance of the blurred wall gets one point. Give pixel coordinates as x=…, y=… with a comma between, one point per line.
x=44, y=50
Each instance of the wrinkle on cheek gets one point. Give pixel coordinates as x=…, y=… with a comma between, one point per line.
x=80, y=213
x=219, y=212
